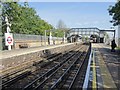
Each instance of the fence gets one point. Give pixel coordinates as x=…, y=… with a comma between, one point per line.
x=33, y=37
x=31, y=41
x=34, y=40
x=28, y=37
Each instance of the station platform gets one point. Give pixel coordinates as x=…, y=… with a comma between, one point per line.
x=17, y=52
x=104, y=68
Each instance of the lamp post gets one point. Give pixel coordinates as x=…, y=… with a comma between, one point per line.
x=50, y=37
x=56, y=39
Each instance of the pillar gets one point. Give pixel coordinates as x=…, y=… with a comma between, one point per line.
x=119, y=35
x=64, y=37
x=50, y=38
x=45, y=38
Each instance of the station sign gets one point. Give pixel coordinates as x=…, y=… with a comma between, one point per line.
x=8, y=39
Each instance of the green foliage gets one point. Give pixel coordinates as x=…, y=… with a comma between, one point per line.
x=58, y=33
x=86, y=38
x=83, y=38
x=115, y=12
x=24, y=19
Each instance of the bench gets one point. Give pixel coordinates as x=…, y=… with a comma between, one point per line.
x=23, y=45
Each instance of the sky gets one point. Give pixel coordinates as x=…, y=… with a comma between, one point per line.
x=67, y=0
x=75, y=14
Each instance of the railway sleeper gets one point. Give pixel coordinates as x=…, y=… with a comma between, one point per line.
x=78, y=82
x=50, y=61
x=6, y=84
x=30, y=86
x=70, y=54
x=63, y=75
x=55, y=85
x=44, y=81
x=53, y=55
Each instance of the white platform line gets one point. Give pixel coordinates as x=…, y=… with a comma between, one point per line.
x=85, y=85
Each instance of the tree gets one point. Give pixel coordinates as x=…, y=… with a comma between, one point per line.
x=115, y=12
x=0, y=19
x=58, y=33
x=61, y=25
x=24, y=19
x=61, y=29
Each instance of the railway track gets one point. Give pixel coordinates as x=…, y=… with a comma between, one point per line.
x=12, y=72
x=68, y=69
x=78, y=81
x=69, y=77
x=41, y=73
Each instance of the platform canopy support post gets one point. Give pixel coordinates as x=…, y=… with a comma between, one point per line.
x=50, y=37
x=64, y=37
x=45, y=38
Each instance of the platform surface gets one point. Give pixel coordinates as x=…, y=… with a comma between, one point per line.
x=17, y=52
x=104, y=72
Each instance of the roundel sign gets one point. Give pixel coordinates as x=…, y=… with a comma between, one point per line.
x=8, y=39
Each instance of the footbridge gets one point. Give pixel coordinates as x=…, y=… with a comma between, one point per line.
x=95, y=34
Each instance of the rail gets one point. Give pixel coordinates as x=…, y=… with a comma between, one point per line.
x=47, y=73
x=65, y=67
x=47, y=68
x=71, y=74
